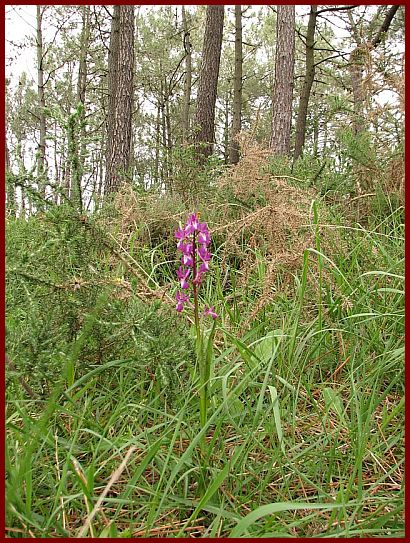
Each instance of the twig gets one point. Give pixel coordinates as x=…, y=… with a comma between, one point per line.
x=200, y=528
x=36, y=279
x=26, y=387
x=340, y=367
x=362, y=196
x=238, y=221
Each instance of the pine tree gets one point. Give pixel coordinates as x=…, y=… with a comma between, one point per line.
x=283, y=84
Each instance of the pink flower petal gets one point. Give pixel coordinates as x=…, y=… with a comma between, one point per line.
x=184, y=284
x=187, y=260
x=204, y=267
x=210, y=311
x=180, y=233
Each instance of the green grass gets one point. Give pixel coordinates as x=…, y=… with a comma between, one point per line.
x=305, y=431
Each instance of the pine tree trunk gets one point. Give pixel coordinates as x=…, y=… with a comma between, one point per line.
x=10, y=189
x=226, y=130
x=164, y=164
x=168, y=139
x=300, y=132
x=100, y=192
x=208, y=81
x=41, y=150
x=237, y=89
x=188, y=77
x=73, y=157
x=56, y=166
x=82, y=86
x=157, y=144
x=283, y=84
x=356, y=67
x=120, y=90
x=315, y=135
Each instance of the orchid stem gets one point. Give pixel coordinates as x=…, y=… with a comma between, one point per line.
x=199, y=347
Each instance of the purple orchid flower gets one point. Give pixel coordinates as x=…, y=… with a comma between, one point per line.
x=180, y=233
x=187, y=260
x=181, y=298
x=187, y=248
x=204, y=253
x=182, y=276
x=204, y=267
x=192, y=224
x=193, y=241
x=210, y=311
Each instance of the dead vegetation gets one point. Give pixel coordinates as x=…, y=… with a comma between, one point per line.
x=263, y=221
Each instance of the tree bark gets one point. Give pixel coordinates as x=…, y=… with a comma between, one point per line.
x=57, y=158
x=157, y=143
x=82, y=85
x=41, y=150
x=237, y=89
x=120, y=90
x=74, y=161
x=226, y=130
x=356, y=66
x=208, y=81
x=283, y=84
x=315, y=135
x=300, y=131
x=188, y=77
x=10, y=189
x=168, y=127
x=164, y=164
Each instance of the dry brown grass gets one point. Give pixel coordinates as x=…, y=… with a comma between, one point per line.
x=273, y=227
x=278, y=231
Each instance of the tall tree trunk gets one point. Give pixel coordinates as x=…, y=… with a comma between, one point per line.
x=74, y=161
x=188, y=76
x=65, y=171
x=168, y=139
x=164, y=164
x=356, y=67
x=23, y=171
x=283, y=84
x=237, y=88
x=41, y=150
x=157, y=143
x=82, y=86
x=226, y=129
x=208, y=81
x=100, y=192
x=300, y=132
x=315, y=135
x=120, y=90
x=10, y=189
x=56, y=166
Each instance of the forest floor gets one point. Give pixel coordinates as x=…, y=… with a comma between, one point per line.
x=305, y=435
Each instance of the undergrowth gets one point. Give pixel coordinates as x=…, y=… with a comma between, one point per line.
x=305, y=435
